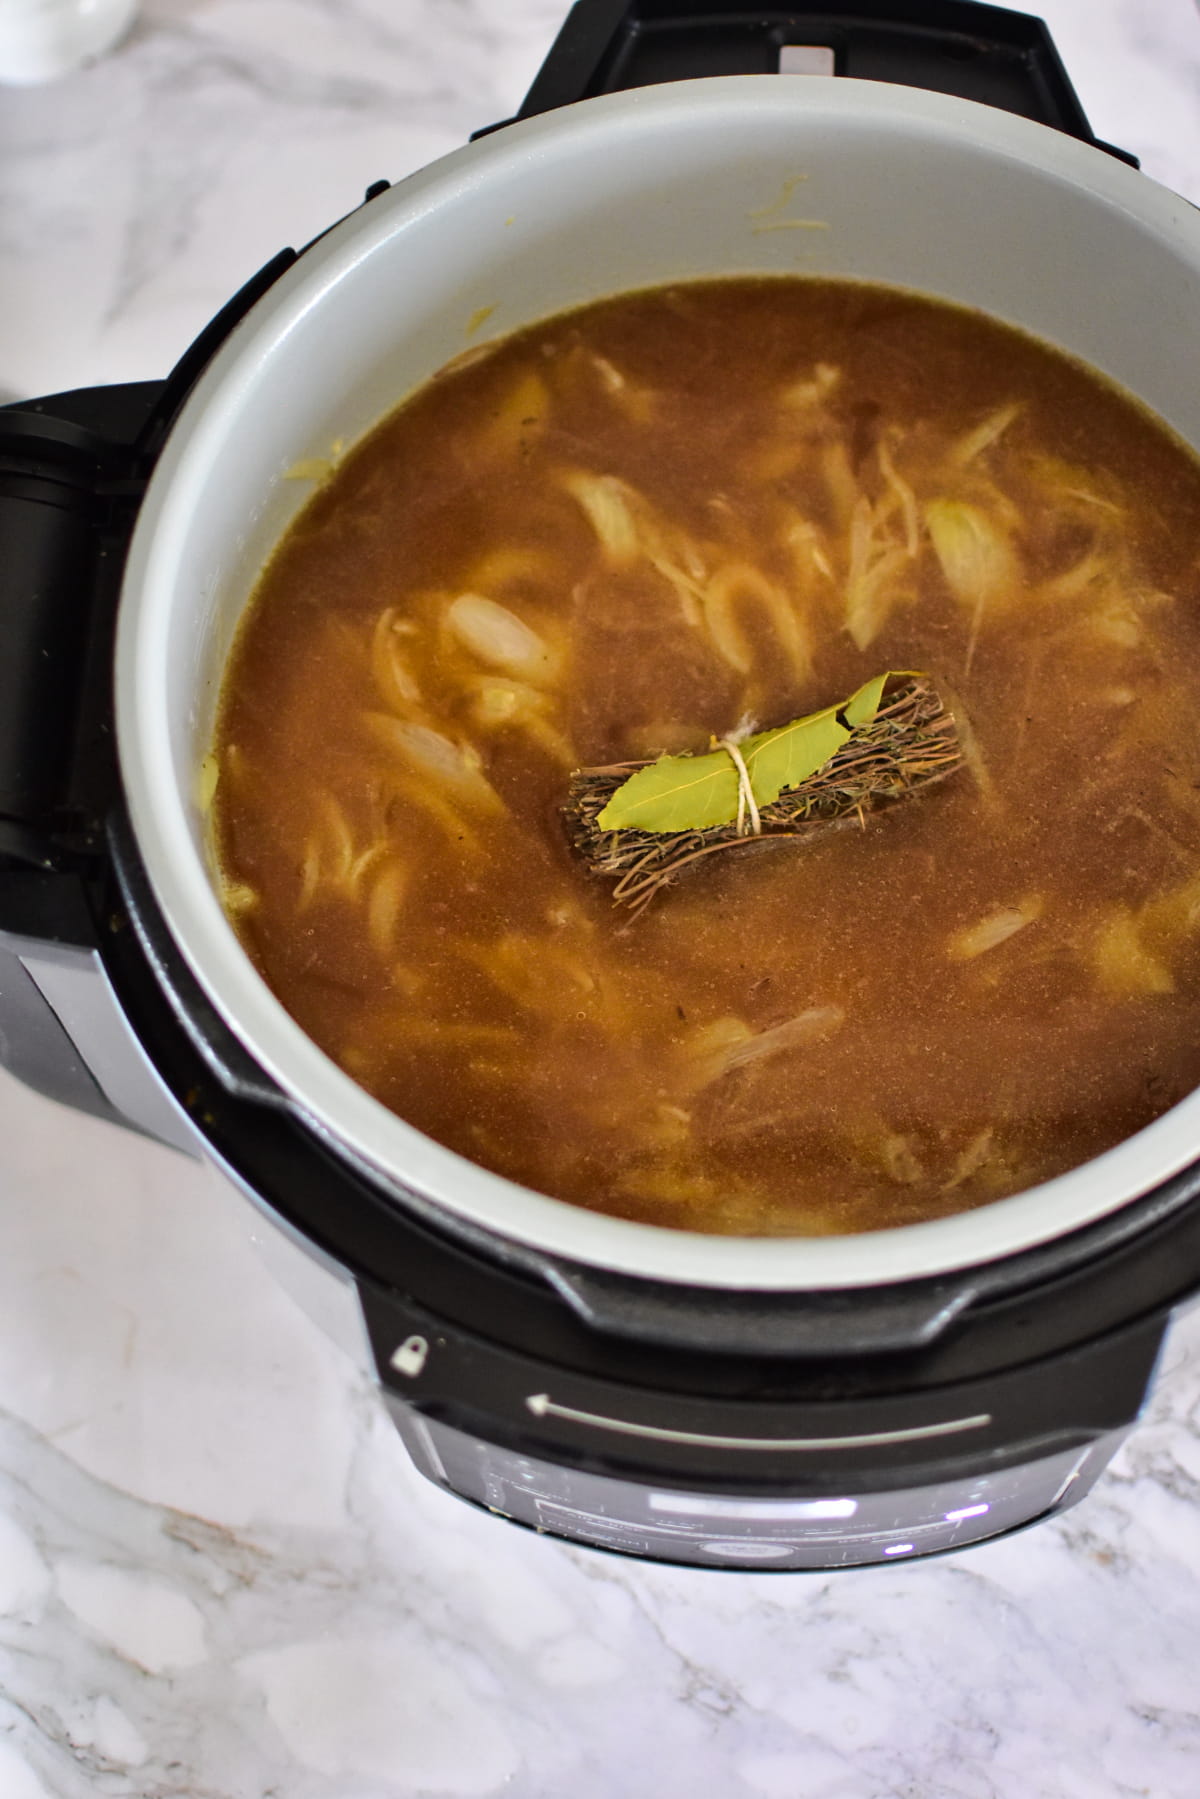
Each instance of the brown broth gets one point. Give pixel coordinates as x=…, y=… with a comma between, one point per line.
x=1005, y=972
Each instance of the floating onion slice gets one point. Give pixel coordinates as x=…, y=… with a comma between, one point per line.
x=1118, y=623
x=706, y=1049
x=607, y=505
x=972, y=1159
x=838, y=476
x=995, y=929
x=637, y=402
x=871, y=596
x=802, y=396
x=1072, y=489
x=808, y=1027
x=384, y=907
x=514, y=705
x=454, y=766
x=207, y=777
x=977, y=556
x=876, y=562
x=498, y=637
x=509, y=565
x=727, y=635
x=688, y=587
x=310, y=875
x=1092, y=573
x=332, y=861
x=982, y=436
x=238, y=897
x=310, y=468
x=340, y=836
x=907, y=498
x=499, y=703
x=396, y=685
x=521, y=415
x=978, y=559
x=234, y=764
x=1123, y=964
x=1175, y=915
x=629, y=532
x=807, y=550
x=968, y=743
x=875, y=1144
x=552, y=976
x=739, y=582
x=900, y=1161
x=672, y=1184
x=611, y=378
x=1132, y=951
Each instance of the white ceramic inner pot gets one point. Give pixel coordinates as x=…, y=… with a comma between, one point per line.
x=741, y=175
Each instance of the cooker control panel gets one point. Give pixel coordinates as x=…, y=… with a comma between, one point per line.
x=821, y=1479
x=716, y=1530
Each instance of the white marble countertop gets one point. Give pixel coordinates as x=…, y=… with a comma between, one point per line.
x=219, y=1576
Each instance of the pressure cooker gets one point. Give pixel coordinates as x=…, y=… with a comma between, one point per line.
x=726, y=1402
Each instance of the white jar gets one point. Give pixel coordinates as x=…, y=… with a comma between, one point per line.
x=41, y=40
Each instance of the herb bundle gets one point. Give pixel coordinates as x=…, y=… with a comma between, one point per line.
x=640, y=824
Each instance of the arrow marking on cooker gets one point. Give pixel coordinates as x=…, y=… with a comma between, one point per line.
x=541, y=1405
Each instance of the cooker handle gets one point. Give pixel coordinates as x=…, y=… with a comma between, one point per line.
x=978, y=52
x=73, y=468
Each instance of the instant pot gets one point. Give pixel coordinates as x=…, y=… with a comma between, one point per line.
x=806, y=1403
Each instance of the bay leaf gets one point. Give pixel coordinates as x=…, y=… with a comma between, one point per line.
x=863, y=704
x=676, y=793
x=782, y=758
x=698, y=793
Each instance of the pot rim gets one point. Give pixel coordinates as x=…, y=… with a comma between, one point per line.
x=340, y=1110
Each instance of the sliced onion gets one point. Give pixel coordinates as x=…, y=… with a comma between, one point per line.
x=499, y=638
x=606, y=501
x=993, y=930
x=977, y=556
x=451, y=765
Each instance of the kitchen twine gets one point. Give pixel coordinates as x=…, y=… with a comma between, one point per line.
x=746, y=799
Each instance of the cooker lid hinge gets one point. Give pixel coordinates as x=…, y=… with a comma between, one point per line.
x=989, y=54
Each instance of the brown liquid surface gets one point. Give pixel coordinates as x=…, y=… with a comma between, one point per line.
x=1003, y=975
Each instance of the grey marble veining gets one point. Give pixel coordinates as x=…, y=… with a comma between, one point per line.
x=219, y=1576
